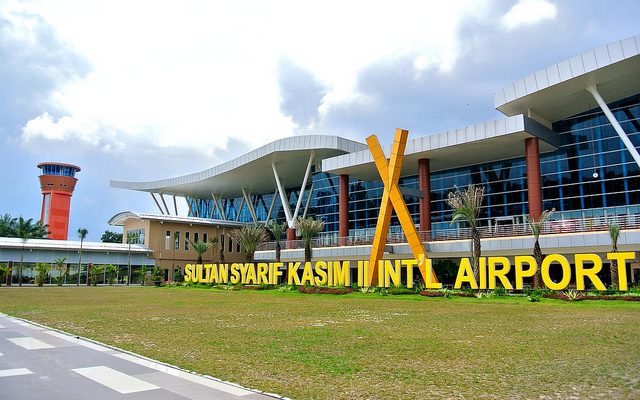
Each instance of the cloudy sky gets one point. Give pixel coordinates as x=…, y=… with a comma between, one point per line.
x=136, y=90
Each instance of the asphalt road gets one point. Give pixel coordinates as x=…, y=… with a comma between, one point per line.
x=40, y=363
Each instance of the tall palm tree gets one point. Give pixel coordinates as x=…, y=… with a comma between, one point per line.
x=131, y=238
x=7, y=226
x=536, y=229
x=200, y=248
x=249, y=237
x=82, y=234
x=277, y=230
x=308, y=228
x=25, y=229
x=466, y=207
x=614, y=234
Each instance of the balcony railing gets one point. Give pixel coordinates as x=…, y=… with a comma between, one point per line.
x=496, y=231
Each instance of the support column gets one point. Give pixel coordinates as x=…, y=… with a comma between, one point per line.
x=424, y=184
x=343, y=209
x=534, y=186
x=291, y=234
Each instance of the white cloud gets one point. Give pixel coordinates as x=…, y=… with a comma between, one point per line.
x=195, y=74
x=528, y=12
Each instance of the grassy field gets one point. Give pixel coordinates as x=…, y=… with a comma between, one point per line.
x=360, y=346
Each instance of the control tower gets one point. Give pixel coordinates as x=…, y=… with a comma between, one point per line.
x=57, y=181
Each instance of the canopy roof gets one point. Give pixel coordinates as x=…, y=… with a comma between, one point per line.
x=559, y=91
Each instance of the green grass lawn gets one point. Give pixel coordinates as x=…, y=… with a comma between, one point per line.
x=361, y=346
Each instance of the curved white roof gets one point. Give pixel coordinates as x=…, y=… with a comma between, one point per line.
x=252, y=171
x=559, y=91
x=120, y=218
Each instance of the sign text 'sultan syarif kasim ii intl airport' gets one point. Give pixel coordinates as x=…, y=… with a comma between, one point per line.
x=569, y=141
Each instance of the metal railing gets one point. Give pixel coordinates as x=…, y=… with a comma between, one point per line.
x=497, y=231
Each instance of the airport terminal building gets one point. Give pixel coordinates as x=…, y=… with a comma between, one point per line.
x=569, y=140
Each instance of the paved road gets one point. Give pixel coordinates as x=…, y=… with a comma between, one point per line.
x=39, y=363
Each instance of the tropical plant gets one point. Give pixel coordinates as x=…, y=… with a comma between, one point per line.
x=111, y=237
x=4, y=269
x=277, y=230
x=42, y=269
x=25, y=229
x=572, y=295
x=7, y=226
x=131, y=238
x=61, y=268
x=200, y=248
x=614, y=234
x=536, y=230
x=82, y=234
x=110, y=271
x=466, y=207
x=249, y=237
x=143, y=274
x=308, y=228
x=96, y=271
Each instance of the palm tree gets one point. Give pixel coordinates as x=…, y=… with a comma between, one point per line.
x=614, y=234
x=131, y=238
x=82, y=234
x=60, y=268
x=466, y=207
x=308, y=228
x=25, y=229
x=200, y=248
x=536, y=229
x=277, y=230
x=249, y=237
x=7, y=226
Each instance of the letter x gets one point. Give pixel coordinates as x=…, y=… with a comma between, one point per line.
x=392, y=200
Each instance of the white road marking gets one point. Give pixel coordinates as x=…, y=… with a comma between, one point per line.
x=214, y=384
x=77, y=341
x=1, y=326
x=115, y=380
x=14, y=372
x=30, y=343
x=1, y=354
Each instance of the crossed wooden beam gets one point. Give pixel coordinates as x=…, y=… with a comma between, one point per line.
x=392, y=200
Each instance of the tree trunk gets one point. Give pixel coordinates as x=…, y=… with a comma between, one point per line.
x=537, y=255
x=20, y=268
x=613, y=267
x=278, y=251
x=89, y=274
x=476, y=252
x=307, y=250
x=9, y=272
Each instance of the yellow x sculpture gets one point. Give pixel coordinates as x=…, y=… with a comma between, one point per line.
x=392, y=200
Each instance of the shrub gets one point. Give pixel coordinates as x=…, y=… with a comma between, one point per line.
x=533, y=298
x=400, y=290
x=323, y=290
x=572, y=295
x=500, y=291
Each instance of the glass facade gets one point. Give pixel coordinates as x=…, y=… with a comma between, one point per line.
x=592, y=174
x=63, y=170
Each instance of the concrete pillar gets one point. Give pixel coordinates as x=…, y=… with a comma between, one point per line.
x=291, y=234
x=424, y=184
x=343, y=208
x=534, y=186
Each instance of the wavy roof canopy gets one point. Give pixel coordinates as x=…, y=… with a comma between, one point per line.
x=252, y=171
x=559, y=91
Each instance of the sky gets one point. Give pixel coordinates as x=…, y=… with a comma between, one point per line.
x=145, y=90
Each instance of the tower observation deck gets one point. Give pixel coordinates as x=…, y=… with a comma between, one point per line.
x=57, y=182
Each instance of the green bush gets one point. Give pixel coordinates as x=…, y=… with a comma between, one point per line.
x=42, y=270
x=400, y=290
x=533, y=298
x=500, y=291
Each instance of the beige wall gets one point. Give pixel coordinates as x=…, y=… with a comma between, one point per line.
x=155, y=238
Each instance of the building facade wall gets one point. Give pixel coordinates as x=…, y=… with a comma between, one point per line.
x=171, y=254
x=589, y=145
